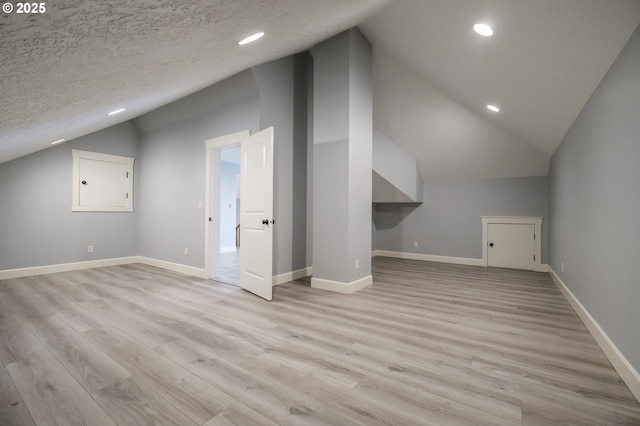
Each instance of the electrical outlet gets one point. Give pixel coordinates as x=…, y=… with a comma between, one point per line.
x=357, y=264
x=562, y=266
x=415, y=244
x=89, y=249
x=186, y=252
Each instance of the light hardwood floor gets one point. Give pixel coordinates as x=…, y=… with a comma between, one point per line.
x=426, y=344
x=230, y=267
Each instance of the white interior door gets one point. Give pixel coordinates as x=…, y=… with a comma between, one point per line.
x=256, y=213
x=511, y=245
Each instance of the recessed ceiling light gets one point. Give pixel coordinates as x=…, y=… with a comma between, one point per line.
x=483, y=30
x=493, y=108
x=117, y=111
x=251, y=38
x=57, y=142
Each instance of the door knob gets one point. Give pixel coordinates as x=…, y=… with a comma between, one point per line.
x=265, y=221
x=490, y=244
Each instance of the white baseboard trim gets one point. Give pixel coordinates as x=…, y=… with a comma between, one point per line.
x=442, y=259
x=293, y=275
x=341, y=287
x=429, y=257
x=65, y=267
x=76, y=266
x=626, y=371
x=175, y=267
x=228, y=249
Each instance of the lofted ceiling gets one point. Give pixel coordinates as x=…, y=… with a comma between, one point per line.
x=64, y=70
x=434, y=77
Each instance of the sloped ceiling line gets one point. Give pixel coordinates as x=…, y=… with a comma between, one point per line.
x=63, y=70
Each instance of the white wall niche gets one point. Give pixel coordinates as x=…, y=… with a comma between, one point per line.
x=536, y=225
x=101, y=182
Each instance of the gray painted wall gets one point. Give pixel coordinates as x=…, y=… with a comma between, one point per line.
x=396, y=176
x=283, y=104
x=331, y=88
x=208, y=100
x=448, y=222
x=309, y=159
x=330, y=212
x=37, y=226
x=342, y=157
x=169, y=148
x=330, y=159
x=172, y=167
x=173, y=159
x=595, y=204
x=360, y=153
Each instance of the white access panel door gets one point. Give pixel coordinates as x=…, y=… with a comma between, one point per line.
x=511, y=245
x=103, y=184
x=256, y=213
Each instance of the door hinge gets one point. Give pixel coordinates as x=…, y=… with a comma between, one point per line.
x=534, y=257
x=534, y=236
x=127, y=195
x=127, y=175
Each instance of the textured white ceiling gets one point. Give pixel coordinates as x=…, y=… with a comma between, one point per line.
x=64, y=70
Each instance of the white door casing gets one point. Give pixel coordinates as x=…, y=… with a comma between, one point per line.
x=256, y=213
x=212, y=198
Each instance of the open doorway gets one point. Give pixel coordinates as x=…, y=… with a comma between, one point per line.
x=256, y=209
x=229, y=215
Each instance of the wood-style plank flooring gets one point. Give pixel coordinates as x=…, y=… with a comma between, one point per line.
x=230, y=267
x=426, y=344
